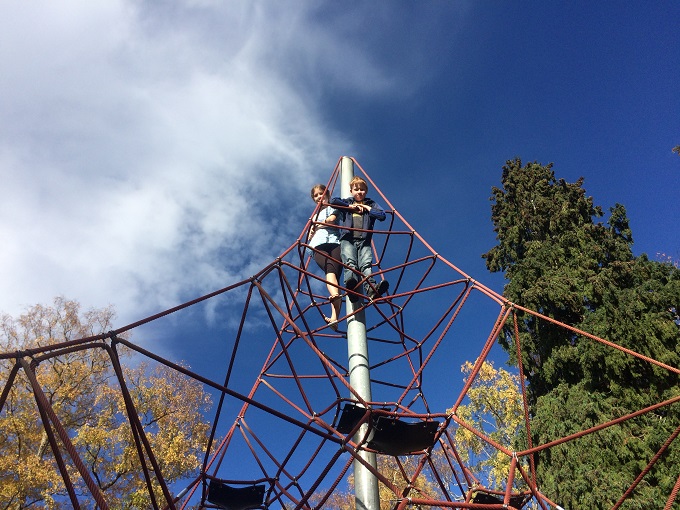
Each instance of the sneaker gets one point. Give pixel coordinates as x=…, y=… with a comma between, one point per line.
x=351, y=284
x=372, y=294
x=377, y=291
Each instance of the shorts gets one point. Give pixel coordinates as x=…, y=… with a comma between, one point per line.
x=324, y=258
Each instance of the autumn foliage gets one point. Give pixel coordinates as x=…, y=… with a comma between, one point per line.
x=81, y=387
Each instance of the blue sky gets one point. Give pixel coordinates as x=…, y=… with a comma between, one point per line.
x=152, y=152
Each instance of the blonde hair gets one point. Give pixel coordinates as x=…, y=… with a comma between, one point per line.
x=358, y=180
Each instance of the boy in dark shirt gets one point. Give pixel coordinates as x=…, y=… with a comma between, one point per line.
x=358, y=213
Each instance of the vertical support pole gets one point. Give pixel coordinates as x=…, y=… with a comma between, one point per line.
x=366, y=493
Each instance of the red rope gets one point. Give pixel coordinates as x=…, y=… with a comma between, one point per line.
x=304, y=362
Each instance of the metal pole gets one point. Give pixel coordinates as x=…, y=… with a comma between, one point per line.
x=365, y=483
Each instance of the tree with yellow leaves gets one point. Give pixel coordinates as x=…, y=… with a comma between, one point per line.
x=82, y=390
x=495, y=408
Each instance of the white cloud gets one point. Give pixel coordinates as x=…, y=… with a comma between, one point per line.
x=140, y=142
x=150, y=152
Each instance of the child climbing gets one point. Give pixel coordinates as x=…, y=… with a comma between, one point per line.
x=357, y=214
x=324, y=237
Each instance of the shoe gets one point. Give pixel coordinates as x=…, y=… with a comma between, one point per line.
x=351, y=284
x=375, y=292
x=333, y=324
x=383, y=287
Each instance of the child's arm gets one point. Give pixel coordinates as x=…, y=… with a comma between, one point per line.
x=377, y=212
x=318, y=223
x=331, y=216
x=339, y=202
x=330, y=220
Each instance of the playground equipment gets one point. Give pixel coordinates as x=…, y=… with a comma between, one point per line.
x=292, y=425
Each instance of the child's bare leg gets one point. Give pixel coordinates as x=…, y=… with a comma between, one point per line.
x=334, y=293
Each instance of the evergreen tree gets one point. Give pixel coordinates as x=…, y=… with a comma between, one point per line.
x=561, y=260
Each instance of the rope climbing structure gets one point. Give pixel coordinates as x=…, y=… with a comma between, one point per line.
x=288, y=426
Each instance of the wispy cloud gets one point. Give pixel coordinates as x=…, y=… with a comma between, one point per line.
x=139, y=146
x=153, y=151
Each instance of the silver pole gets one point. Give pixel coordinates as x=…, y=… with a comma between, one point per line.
x=366, y=493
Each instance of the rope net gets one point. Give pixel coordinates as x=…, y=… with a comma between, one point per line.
x=286, y=419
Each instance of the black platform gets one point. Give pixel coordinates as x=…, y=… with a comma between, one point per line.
x=391, y=436
x=231, y=498
x=517, y=501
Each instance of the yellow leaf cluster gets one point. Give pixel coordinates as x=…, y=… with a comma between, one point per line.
x=87, y=397
x=494, y=407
